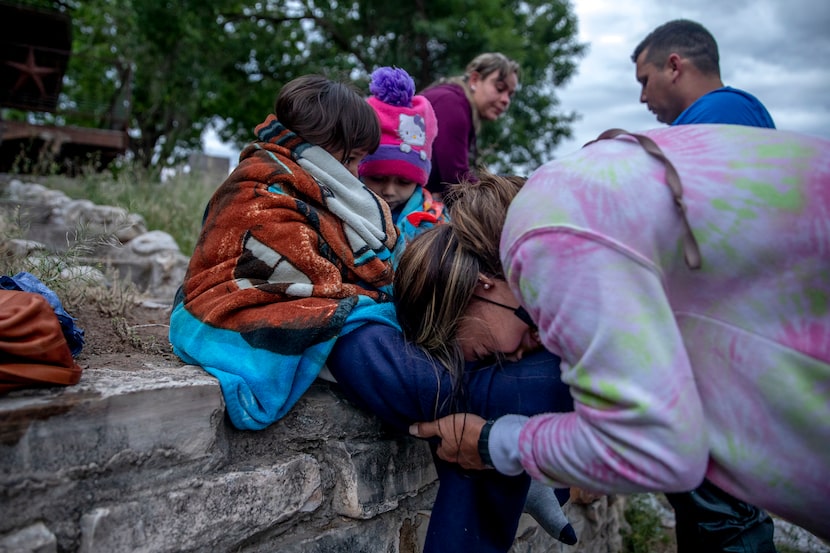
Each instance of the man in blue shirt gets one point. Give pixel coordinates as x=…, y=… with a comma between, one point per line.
x=678, y=67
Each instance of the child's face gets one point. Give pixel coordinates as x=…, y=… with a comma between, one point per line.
x=351, y=163
x=395, y=190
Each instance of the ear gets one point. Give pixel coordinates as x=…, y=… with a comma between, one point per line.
x=474, y=79
x=674, y=64
x=485, y=282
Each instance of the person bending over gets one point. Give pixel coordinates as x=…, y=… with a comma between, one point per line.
x=676, y=273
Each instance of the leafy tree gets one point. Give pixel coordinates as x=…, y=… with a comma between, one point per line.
x=160, y=62
x=184, y=65
x=430, y=40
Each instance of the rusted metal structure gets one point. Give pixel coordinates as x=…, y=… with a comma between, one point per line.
x=35, y=48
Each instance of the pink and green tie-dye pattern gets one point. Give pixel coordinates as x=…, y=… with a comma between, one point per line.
x=723, y=372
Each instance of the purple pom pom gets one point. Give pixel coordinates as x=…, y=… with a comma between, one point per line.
x=393, y=86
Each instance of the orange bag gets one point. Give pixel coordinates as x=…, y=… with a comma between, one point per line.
x=33, y=349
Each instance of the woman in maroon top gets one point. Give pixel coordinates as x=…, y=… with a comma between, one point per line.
x=483, y=92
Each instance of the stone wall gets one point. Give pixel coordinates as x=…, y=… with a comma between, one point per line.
x=147, y=461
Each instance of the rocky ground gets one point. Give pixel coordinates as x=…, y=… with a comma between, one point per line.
x=126, y=341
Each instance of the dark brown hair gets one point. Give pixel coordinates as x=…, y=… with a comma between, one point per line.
x=329, y=114
x=688, y=39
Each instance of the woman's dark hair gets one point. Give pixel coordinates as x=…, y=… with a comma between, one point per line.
x=329, y=114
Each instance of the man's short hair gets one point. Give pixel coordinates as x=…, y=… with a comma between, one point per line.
x=687, y=38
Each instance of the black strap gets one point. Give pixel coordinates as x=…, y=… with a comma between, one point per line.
x=484, y=444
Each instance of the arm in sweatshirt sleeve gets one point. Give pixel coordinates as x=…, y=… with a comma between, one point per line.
x=638, y=421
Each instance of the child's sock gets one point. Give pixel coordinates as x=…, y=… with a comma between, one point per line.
x=544, y=507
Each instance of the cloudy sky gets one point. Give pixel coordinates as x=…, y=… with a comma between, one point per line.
x=778, y=50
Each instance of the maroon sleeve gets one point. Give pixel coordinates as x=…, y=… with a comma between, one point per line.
x=451, y=149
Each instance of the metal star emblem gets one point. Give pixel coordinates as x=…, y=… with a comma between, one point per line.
x=31, y=70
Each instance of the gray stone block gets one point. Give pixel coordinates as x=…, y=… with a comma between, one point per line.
x=387, y=534
x=319, y=416
x=36, y=538
x=373, y=477
x=169, y=414
x=206, y=514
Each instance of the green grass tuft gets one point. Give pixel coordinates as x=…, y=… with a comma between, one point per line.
x=645, y=532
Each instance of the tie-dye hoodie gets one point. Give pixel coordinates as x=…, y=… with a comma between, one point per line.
x=722, y=372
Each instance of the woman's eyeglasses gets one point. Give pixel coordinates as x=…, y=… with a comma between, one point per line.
x=520, y=311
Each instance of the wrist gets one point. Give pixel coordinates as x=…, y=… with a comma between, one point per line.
x=503, y=444
x=484, y=444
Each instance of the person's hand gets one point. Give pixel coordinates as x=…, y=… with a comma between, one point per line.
x=459, y=435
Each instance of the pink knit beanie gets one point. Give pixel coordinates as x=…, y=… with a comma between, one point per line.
x=408, y=128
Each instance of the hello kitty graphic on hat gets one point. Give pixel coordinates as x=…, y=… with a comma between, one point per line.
x=408, y=128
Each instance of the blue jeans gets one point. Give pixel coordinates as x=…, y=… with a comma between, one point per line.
x=474, y=510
